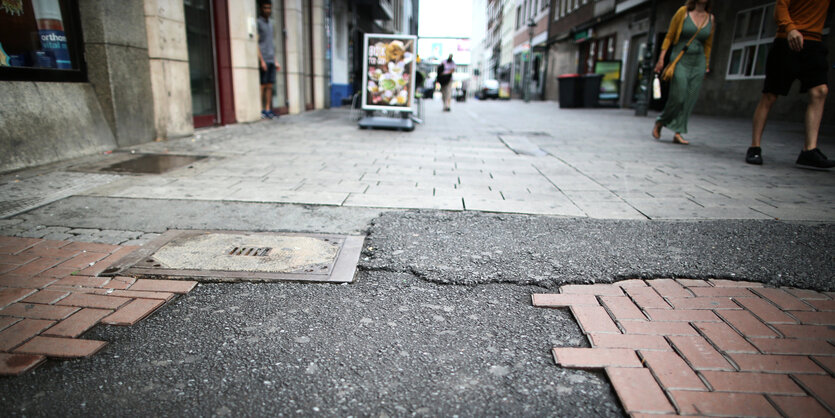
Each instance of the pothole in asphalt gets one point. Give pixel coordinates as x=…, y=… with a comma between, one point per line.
x=231, y=256
x=141, y=163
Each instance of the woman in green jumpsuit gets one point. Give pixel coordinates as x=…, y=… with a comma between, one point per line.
x=690, y=70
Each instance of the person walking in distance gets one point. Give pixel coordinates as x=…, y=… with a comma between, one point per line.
x=797, y=53
x=691, y=37
x=268, y=63
x=445, y=71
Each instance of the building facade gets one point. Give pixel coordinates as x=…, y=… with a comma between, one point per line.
x=85, y=76
x=530, y=34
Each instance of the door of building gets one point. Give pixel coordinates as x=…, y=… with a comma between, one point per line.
x=210, y=69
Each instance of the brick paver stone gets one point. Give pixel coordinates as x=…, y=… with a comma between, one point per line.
x=11, y=295
x=92, y=247
x=94, y=301
x=86, y=281
x=558, y=300
x=747, y=324
x=638, y=391
x=683, y=315
x=61, y=347
x=119, y=282
x=733, y=283
x=593, y=320
x=752, y=382
x=173, y=286
x=11, y=245
x=739, y=292
x=815, y=318
x=77, y=324
x=822, y=387
x=723, y=404
x=622, y=307
x=669, y=288
x=133, y=312
x=703, y=303
x=724, y=337
x=700, y=354
x=671, y=370
x=766, y=311
x=38, y=282
x=649, y=342
x=16, y=334
x=647, y=297
x=46, y=297
x=822, y=305
x=812, y=332
x=783, y=299
x=793, y=346
x=82, y=261
x=591, y=289
x=15, y=364
x=775, y=363
x=38, y=265
x=595, y=358
x=693, y=283
x=800, y=406
x=658, y=328
x=806, y=294
x=37, y=311
x=630, y=283
x=143, y=295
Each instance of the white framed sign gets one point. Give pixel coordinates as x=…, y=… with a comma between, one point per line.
x=388, y=72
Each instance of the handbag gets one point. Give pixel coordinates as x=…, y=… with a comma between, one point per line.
x=670, y=69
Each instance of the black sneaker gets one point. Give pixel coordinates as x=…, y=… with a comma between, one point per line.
x=814, y=159
x=754, y=156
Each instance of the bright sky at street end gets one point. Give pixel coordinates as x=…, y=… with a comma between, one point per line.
x=445, y=18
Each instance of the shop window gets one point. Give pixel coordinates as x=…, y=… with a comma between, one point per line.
x=40, y=41
x=754, y=32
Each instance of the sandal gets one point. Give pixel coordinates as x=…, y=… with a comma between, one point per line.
x=677, y=139
x=656, y=131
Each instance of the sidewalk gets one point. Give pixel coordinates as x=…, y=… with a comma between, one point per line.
x=484, y=156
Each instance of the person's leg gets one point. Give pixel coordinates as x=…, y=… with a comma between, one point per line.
x=761, y=116
x=268, y=98
x=814, y=115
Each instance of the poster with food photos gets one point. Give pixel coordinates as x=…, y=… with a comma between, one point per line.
x=389, y=72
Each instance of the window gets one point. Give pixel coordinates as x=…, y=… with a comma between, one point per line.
x=754, y=32
x=557, y=9
x=39, y=41
x=518, y=16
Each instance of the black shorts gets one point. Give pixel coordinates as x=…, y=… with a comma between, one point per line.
x=783, y=66
x=268, y=75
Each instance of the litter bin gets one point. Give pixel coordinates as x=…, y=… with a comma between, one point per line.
x=570, y=90
x=591, y=90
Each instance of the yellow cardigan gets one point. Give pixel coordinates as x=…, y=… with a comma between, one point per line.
x=674, y=33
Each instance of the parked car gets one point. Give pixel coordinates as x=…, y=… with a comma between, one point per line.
x=489, y=90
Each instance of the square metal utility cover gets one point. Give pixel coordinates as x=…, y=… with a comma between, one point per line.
x=227, y=256
x=125, y=163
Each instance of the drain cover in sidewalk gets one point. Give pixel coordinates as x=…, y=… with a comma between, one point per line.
x=246, y=256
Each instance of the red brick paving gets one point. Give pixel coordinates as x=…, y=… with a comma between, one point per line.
x=50, y=296
x=707, y=347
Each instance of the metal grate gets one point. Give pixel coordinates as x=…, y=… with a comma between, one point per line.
x=251, y=251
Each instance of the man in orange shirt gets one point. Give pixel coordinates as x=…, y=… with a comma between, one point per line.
x=797, y=53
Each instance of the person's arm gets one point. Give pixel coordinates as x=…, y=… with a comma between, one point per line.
x=675, y=28
x=786, y=24
x=709, y=44
x=261, y=60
